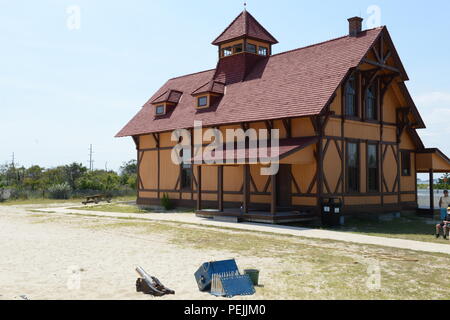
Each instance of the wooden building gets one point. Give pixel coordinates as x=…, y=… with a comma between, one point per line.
x=347, y=128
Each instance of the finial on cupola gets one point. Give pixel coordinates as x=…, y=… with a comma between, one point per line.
x=245, y=6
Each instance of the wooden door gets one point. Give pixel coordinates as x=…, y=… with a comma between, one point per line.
x=284, y=183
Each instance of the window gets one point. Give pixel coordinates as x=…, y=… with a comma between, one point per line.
x=251, y=48
x=352, y=167
x=372, y=168
x=406, y=163
x=160, y=109
x=350, y=97
x=186, y=176
x=238, y=48
x=202, y=101
x=371, y=102
x=262, y=51
x=227, y=51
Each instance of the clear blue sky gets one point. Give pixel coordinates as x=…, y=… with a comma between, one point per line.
x=62, y=89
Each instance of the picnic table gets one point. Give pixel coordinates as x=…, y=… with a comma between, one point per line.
x=97, y=198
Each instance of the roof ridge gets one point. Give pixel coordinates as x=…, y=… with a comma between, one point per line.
x=321, y=43
x=284, y=52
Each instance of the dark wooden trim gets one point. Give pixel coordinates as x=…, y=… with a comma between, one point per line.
x=313, y=182
x=157, y=139
x=220, y=187
x=178, y=184
x=381, y=65
x=140, y=156
x=199, y=188
x=297, y=187
x=431, y=176
x=385, y=123
x=360, y=140
x=267, y=185
x=156, y=149
x=273, y=199
x=246, y=189
x=253, y=184
x=288, y=127
x=136, y=141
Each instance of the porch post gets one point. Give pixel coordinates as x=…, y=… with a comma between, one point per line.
x=273, y=202
x=246, y=187
x=220, y=187
x=199, y=187
x=431, y=190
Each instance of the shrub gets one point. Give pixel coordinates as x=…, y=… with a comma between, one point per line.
x=165, y=202
x=60, y=191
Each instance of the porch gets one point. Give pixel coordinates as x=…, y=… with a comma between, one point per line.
x=431, y=161
x=277, y=206
x=258, y=216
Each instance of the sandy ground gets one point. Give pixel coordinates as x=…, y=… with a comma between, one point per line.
x=64, y=260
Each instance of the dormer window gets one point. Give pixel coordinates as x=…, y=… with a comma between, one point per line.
x=166, y=102
x=251, y=48
x=208, y=94
x=262, y=51
x=160, y=109
x=237, y=48
x=202, y=102
x=227, y=51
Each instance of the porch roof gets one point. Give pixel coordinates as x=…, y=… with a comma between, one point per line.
x=286, y=148
x=432, y=159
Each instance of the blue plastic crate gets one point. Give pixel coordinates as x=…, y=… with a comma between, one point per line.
x=232, y=285
x=203, y=275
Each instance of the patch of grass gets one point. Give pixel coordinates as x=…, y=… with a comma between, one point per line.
x=315, y=269
x=129, y=208
x=36, y=201
x=294, y=267
x=410, y=227
x=113, y=207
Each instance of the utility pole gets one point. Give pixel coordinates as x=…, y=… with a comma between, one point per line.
x=91, y=160
x=13, y=164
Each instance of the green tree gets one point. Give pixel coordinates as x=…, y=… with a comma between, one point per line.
x=73, y=172
x=33, y=178
x=128, y=174
x=100, y=180
x=443, y=182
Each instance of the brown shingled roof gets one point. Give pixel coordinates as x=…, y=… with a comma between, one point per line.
x=172, y=96
x=291, y=84
x=211, y=87
x=245, y=25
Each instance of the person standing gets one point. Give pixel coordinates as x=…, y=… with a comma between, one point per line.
x=444, y=203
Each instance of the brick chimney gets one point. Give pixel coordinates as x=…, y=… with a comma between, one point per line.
x=355, y=26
